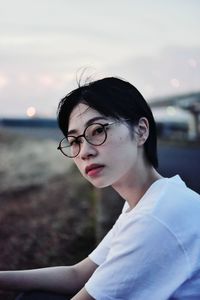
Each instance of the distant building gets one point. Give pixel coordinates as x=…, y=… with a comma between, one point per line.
x=178, y=116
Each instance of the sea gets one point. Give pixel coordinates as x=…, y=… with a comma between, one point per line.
x=37, y=127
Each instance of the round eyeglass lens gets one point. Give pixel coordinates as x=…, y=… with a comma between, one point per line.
x=70, y=147
x=95, y=134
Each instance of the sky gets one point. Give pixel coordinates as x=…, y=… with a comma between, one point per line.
x=46, y=44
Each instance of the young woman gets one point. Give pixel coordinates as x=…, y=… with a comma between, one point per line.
x=153, y=250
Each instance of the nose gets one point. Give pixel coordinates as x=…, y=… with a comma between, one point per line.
x=87, y=150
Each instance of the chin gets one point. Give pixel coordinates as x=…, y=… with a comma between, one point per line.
x=99, y=184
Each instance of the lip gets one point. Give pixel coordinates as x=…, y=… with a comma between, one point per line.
x=93, y=168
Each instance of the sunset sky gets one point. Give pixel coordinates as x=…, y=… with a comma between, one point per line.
x=44, y=44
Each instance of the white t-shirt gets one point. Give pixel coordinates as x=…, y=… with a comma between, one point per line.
x=152, y=251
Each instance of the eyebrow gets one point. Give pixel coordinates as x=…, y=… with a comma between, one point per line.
x=89, y=122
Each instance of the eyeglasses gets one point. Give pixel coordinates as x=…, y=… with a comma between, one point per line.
x=95, y=134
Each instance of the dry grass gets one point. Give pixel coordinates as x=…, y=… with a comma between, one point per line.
x=46, y=215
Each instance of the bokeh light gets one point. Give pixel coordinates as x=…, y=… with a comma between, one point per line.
x=31, y=112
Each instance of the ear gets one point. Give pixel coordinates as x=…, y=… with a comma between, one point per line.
x=142, y=131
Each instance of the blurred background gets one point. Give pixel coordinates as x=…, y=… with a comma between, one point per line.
x=49, y=215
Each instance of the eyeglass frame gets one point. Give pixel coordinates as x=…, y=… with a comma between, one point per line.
x=84, y=136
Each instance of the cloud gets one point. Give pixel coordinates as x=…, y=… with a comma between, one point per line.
x=44, y=43
x=173, y=70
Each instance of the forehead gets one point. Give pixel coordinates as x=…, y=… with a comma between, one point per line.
x=80, y=115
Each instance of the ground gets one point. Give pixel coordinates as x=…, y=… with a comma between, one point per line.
x=46, y=209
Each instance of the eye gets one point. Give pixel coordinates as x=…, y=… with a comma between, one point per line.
x=97, y=130
x=73, y=141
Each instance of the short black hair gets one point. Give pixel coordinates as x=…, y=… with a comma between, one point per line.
x=115, y=98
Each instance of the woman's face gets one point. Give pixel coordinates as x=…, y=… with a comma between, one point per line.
x=110, y=162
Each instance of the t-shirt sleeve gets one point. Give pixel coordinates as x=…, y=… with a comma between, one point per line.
x=145, y=261
x=99, y=254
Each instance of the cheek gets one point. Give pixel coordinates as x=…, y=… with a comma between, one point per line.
x=124, y=147
x=119, y=154
x=121, y=141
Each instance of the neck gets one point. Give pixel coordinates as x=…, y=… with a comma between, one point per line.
x=135, y=184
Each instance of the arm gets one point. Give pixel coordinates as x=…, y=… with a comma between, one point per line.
x=64, y=279
x=82, y=295
x=55, y=279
